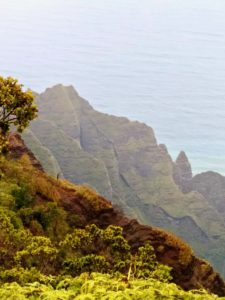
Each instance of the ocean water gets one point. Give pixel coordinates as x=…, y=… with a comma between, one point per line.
x=161, y=62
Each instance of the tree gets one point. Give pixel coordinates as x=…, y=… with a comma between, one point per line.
x=17, y=108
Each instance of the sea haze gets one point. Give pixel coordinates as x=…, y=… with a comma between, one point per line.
x=161, y=62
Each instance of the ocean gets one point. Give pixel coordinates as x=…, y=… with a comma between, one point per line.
x=161, y=62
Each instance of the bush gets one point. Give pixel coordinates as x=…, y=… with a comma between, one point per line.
x=23, y=196
x=38, y=253
x=84, y=245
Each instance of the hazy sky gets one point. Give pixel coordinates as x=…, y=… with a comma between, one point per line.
x=158, y=61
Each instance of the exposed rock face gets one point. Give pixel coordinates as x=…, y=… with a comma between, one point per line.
x=189, y=271
x=123, y=162
x=183, y=172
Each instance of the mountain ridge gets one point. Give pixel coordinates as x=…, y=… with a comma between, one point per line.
x=122, y=160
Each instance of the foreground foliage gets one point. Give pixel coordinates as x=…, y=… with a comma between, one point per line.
x=98, y=286
x=45, y=249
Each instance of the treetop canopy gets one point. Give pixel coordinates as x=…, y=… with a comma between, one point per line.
x=17, y=108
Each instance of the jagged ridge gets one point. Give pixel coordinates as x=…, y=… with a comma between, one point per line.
x=123, y=162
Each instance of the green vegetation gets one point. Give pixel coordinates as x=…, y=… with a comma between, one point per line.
x=47, y=252
x=16, y=108
x=97, y=286
x=40, y=240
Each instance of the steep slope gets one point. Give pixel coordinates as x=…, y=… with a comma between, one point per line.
x=123, y=162
x=43, y=154
x=212, y=186
x=188, y=271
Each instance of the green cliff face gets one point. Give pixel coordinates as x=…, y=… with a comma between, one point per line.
x=43, y=154
x=122, y=161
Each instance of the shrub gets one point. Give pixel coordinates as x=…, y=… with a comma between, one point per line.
x=145, y=265
x=88, y=263
x=38, y=253
x=23, y=276
x=86, y=244
x=23, y=196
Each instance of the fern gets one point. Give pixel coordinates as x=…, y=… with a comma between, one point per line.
x=102, y=287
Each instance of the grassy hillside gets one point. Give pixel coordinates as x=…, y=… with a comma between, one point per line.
x=64, y=241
